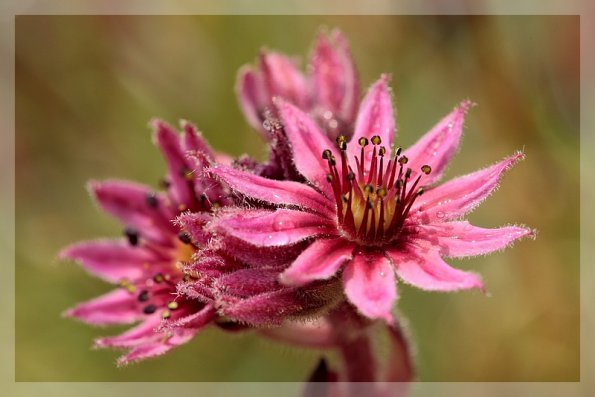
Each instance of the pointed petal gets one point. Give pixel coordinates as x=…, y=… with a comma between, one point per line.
x=319, y=261
x=369, y=283
x=249, y=282
x=425, y=269
x=439, y=144
x=161, y=344
x=460, y=239
x=307, y=142
x=375, y=117
x=283, y=79
x=116, y=307
x=285, y=193
x=192, y=140
x=193, y=223
x=135, y=336
x=111, y=260
x=168, y=141
x=458, y=196
x=199, y=319
x=334, y=78
x=252, y=96
x=273, y=308
x=272, y=228
x=128, y=202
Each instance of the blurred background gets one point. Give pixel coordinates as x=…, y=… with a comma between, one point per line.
x=86, y=86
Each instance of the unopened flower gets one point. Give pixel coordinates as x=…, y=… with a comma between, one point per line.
x=365, y=210
x=146, y=263
x=329, y=91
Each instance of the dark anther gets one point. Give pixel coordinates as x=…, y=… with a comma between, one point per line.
x=158, y=278
x=426, y=169
x=376, y=140
x=369, y=203
x=403, y=160
x=420, y=191
x=350, y=176
x=184, y=237
x=186, y=278
x=381, y=151
x=381, y=192
x=132, y=236
x=408, y=173
x=149, y=309
x=344, y=198
x=368, y=188
x=332, y=161
x=151, y=200
x=343, y=146
x=165, y=314
x=399, y=184
x=143, y=296
x=329, y=178
x=326, y=154
x=203, y=197
x=363, y=141
x=398, y=152
x=172, y=305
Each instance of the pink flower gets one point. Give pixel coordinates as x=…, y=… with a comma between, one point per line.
x=330, y=90
x=365, y=213
x=147, y=263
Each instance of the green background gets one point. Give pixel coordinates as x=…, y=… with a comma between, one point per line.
x=86, y=87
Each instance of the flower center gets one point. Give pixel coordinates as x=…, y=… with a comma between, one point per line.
x=374, y=200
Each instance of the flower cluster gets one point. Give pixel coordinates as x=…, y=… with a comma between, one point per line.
x=304, y=248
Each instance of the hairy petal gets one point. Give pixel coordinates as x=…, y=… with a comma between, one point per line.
x=175, y=156
x=334, y=78
x=161, y=344
x=458, y=196
x=127, y=201
x=370, y=284
x=439, y=144
x=248, y=282
x=425, y=269
x=253, y=96
x=142, y=333
x=284, y=193
x=460, y=239
x=307, y=142
x=375, y=117
x=278, y=228
x=116, y=307
x=111, y=260
x=319, y=261
x=282, y=78
x=193, y=223
x=193, y=141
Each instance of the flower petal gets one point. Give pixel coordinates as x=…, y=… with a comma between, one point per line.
x=193, y=223
x=334, y=78
x=116, y=307
x=252, y=96
x=272, y=228
x=128, y=202
x=458, y=196
x=375, y=117
x=161, y=344
x=248, y=282
x=425, y=269
x=369, y=283
x=439, y=144
x=307, y=142
x=460, y=239
x=282, y=78
x=168, y=140
x=192, y=140
x=135, y=336
x=111, y=260
x=319, y=261
x=285, y=193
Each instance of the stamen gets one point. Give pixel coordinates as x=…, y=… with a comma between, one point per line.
x=143, y=296
x=150, y=309
x=151, y=200
x=132, y=236
x=376, y=140
x=185, y=238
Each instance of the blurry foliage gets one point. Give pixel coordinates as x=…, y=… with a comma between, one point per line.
x=87, y=86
